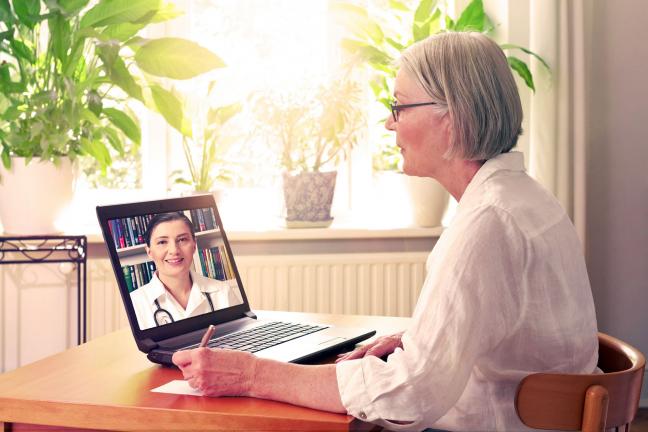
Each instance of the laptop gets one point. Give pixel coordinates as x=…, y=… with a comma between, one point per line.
x=163, y=323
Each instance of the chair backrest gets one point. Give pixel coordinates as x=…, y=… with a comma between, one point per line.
x=585, y=402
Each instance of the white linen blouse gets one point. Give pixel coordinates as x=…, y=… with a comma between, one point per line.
x=506, y=295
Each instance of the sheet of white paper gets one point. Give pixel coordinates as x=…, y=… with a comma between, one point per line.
x=177, y=387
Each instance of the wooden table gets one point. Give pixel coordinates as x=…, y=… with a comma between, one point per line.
x=105, y=385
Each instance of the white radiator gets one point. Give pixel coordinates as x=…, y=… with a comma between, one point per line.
x=369, y=284
x=366, y=284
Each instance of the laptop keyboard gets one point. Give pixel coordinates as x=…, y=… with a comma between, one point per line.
x=264, y=336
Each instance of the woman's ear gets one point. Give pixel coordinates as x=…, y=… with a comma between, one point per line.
x=148, y=251
x=448, y=133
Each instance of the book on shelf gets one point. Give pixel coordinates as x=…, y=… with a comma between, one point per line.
x=137, y=275
x=203, y=219
x=128, y=232
x=208, y=216
x=214, y=263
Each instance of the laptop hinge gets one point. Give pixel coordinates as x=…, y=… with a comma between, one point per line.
x=147, y=345
x=250, y=314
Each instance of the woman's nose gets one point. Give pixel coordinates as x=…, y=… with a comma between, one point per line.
x=390, y=124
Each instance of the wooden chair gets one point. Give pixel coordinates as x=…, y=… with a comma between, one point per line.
x=593, y=402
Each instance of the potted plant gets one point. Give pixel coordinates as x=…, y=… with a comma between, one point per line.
x=316, y=129
x=68, y=70
x=377, y=42
x=205, y=149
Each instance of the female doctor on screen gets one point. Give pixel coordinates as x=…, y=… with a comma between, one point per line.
x=176, y=292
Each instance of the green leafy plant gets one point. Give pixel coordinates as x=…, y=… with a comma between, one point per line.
x=204, y=150
x=378, y=40
x=69, y=69
x=315, y=128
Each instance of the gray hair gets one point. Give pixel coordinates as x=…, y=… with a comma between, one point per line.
x=468, y=76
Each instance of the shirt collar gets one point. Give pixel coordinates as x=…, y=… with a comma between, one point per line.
x=154, y=289
x=511, y=161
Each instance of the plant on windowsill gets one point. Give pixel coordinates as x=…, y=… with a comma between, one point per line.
x=315, y=129
x=69, y=69
x=205, y=151
x=377, y=43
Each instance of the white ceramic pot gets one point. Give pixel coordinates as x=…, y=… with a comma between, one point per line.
x=33, y=195
x=308, y=197
x=429, y=201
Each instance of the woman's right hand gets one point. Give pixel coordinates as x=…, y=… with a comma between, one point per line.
x=380, y=347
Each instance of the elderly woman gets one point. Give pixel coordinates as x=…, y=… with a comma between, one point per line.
x=506, y=293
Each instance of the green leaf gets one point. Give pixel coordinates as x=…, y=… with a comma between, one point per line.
x=98, y=151
x=71, y=62
x=59, y=35
x=6, y=157
x=368, y=53
x=28, y=11
x=89, y=116
x=5, y=35
x=5, y=78
x=120, y=75
x=167, y=12
x=176, y=58
x=6, y=15
x=108, y=12
x=122, y=32
x=435, y=22
x=113, y=139
x=22, y=51
x=146, y=18
x=108, y=52
x=210, y=87
x=169, y=105
x=473, y=18
x=373, y=30
x=521, y=68
x=71, y=7
x=74, y=61
x=527, y=51
x=449, y=23
x=424, y=10
x=95, y=104
x=397, y=5
x=5, y=74
x=222, y=114
x=183, y=181
x=395, y=44
x=420, y=31
x=125, y=123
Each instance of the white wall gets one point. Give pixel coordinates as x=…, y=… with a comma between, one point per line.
x=617, y=179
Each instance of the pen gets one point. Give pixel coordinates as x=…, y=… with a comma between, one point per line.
x=208, y=334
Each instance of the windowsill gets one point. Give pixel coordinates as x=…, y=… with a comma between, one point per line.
x=244, y=222
x=337, y=231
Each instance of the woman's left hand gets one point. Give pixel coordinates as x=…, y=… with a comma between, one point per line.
x=217, y=372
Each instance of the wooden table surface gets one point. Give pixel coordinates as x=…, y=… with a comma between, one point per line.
x=105, y=385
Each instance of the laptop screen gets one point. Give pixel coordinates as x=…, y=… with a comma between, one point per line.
x=173, y=264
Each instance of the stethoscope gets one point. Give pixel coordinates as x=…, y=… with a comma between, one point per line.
x=162, y=316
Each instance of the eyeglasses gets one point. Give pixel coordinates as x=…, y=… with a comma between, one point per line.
x=395, y=108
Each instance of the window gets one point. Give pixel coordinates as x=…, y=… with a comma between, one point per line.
x=270, y=48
